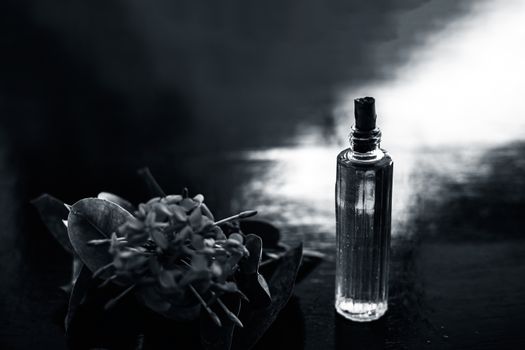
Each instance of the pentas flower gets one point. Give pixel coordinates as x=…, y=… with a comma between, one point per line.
x=176, y=257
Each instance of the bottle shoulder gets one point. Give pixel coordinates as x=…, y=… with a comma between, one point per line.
x=348, y=158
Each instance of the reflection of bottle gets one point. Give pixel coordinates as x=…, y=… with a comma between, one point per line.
x=363, y=210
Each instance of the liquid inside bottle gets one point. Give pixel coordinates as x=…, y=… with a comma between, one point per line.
x=363, y=212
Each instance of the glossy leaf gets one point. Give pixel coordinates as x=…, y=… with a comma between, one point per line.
x=52, y=212
x=117, y=200
x=251, y=264
x=251, y=282
x=80, y=289
x=91, y=219
x=257, y=321
x=254, y=286
x=75, y=272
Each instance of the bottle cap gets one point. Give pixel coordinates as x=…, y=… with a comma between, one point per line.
x=365, y=113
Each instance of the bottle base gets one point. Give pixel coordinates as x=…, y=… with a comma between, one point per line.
x=360, y=311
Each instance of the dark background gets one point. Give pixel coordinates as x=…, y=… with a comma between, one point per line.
x=242, y=101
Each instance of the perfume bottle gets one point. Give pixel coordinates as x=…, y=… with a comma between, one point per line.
x=363, y=213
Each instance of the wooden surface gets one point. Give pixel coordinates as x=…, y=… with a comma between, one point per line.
x=456, y=274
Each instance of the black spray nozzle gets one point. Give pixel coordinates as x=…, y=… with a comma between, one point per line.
x=365, y=113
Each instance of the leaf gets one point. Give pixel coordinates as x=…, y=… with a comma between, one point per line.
x=261, y=281
x=311, y=259
x=254, y=286
x=80, y=289
x=274, y=250
x=257, y=321
x=75, y=272
x=52, y=212
x=117, y=200
x=251, y=264
x=251, y=282
x=90, y=219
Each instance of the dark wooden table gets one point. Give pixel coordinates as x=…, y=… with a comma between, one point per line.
x=458, y=254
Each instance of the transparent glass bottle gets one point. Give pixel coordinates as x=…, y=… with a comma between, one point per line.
x=363, y=215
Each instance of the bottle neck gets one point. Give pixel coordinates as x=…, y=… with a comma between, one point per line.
x=365, y=144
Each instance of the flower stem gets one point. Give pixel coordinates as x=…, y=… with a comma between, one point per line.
x=212, y=314
x=113, y=301
x=242, y=215
x=230, y=314
x=102, y=270
x=152, y=184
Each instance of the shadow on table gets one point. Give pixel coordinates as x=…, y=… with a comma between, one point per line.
x=127, y=323
x=355, y=335
x=287, y=332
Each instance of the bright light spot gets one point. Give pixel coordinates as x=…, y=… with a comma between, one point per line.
x=465, y=85
x=298, y=185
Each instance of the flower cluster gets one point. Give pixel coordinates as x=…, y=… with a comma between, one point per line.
x=176, y=257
